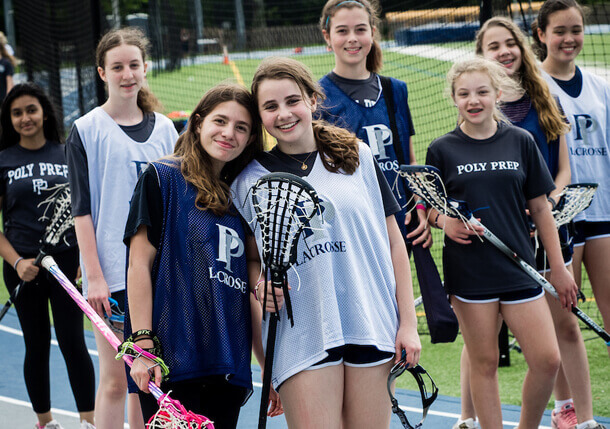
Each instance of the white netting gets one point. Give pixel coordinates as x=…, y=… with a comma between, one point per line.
x=172, y=415
x=573, y=199
x=61, y=219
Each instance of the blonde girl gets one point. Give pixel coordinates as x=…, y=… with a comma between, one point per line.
x=106, y=151
x=353, y=311
x=512, y=177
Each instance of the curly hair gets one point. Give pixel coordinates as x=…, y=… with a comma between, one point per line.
x=338, y=147
x=548, y=8
x=374, y=60
x=213, y=192
x=531, y=80
x=134, y=37
x=51, y=127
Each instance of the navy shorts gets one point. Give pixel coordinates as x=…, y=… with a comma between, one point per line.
x=584, y=231
x=566, y=240
x=354, y=355
x=514, y=297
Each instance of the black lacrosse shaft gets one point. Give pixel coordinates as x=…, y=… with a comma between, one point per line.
x=13, y=295
x=269, y=352
x=538, y=278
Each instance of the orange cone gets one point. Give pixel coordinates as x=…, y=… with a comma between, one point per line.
x=225, y=53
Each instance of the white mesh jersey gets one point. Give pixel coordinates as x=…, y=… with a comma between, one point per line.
x=114, y=162
x=588, y=140
x=345, y=291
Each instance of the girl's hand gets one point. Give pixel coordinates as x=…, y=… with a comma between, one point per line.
x=275, y=404
x=97, y=296
x=566, y=287
x=422, y=232
x=142, y=370
x=407, y=339
x=26, y=270
x=458, y=231
x=269, y=305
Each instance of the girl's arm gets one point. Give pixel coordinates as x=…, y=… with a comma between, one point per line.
x=454, y=228
x=561, y=278
x=406, y=338
x=139, y=293
x=422, y=232
x=26, y=270
x=97, y=292
x=564, y=174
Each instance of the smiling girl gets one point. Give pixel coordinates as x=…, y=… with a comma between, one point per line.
x=353, y=311
x=180, y=218
x=499, y=195
x=107, y=150
x=559, y=38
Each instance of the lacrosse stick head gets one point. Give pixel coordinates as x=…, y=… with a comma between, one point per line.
x=173, y=415
x=573, y=199
x=284, y=205
x=60, y=219
x=425, y=181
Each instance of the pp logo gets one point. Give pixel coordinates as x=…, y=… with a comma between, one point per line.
x=229, y=246
x=379, y=136
x=39, y=185
x=585, y=126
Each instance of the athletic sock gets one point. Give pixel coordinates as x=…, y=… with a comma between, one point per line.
x=585, y=425
x=560, y=404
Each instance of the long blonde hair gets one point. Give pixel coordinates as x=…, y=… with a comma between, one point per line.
x=374, y=59
x=134, y=37
x=213, y=192
x=497, y=76
x=338, y=147
x=531, y=80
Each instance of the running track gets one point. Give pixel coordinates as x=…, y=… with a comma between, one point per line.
x=16, y=413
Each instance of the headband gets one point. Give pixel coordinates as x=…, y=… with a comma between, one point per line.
x=339, y=4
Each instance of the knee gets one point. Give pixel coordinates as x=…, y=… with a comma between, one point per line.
x=113, y=388
x=569, y=331
x=546, y=364
x=486, y=365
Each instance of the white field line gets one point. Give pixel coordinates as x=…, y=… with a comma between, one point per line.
x=53, y=342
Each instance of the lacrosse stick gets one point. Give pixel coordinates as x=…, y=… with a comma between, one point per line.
x=572, y=200
x=425, y=181
x=171, y=414
x=427, y=398
x=284, y=205
x=59, y=223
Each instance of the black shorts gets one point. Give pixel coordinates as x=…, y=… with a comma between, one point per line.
x=584, y=231
x=514, y=297
x=354, y=355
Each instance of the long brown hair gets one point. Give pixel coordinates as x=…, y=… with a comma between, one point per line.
x=213, y=193
x=134, y=37
x=531, y=80
x=338, y=147
x=548, y=8
x=374, y=60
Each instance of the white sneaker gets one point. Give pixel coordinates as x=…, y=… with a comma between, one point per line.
x=465, y=424
x=86, y=425
x=53, y=424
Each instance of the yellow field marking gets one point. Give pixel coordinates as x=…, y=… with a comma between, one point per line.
x=236, y=73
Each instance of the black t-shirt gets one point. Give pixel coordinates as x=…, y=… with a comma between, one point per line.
x=277, y=161
x=81, y=194
x=496, y=177
x=27, y=178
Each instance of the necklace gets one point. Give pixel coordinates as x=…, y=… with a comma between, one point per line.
x=304, y=162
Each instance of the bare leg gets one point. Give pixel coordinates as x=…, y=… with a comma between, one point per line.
x=44, y=418
x=596, y=261
x=541, y=353
x=134, y=412
x=365, y=398
x=467, y=406
x=314, y=398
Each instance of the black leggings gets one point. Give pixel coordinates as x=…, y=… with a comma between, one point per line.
x=32, y=304
x=212, y=397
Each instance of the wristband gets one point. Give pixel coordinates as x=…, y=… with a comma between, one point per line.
x=143, y=332
x=420, y=207
x=19, y=259
x=552, y=201
x=422, y=202
x=436, y=220
x=256, y=288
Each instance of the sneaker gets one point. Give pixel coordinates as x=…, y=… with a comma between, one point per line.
x=465, y=424
x=53, y=424
x=86, y=425
x=564, y=419
x=596, y=426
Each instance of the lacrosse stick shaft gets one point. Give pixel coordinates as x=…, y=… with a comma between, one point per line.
x=51, y=266
x=538, y=278
x=13, y=296
x=271, y=334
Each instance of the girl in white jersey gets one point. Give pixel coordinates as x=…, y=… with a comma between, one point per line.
x=354, y=311
x=499, y=196
x=107, y=149
x=558, y=39
x=536, y=111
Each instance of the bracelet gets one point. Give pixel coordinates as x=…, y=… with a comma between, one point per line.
x=143, y=337
x=552, y=201
x=436, y=220
x=143, y=332
x=256, y=288
x=422, y=202
x=19, y=259
x=420, y=207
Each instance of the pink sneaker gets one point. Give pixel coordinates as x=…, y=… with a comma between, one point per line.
x=564, y=419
